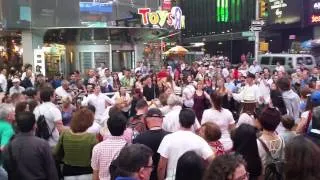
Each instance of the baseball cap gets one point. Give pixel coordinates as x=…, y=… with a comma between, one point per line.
x=154, y=112
x=315, y=97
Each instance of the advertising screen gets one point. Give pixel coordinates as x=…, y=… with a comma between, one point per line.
x=284, y=11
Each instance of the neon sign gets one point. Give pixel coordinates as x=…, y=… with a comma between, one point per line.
x=173, y=18
x=222, y=11
x=315, y=18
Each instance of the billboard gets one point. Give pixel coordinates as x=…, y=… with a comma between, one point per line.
x=314, y=17
x=284, y=11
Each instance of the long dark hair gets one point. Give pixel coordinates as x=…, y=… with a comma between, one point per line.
x=302, y=159
x=277, y=101
x=245, y=143
x=190, y=166
x=216, y=100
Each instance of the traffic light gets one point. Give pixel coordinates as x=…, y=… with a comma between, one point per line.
x=263, y=8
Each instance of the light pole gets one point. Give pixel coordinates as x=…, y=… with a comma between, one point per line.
x=257, y=41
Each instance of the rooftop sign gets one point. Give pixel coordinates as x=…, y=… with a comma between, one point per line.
x=173, y=18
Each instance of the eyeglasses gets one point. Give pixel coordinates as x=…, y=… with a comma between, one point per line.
x=243, y=177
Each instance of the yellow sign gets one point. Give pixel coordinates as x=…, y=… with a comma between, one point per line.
x=264, y=46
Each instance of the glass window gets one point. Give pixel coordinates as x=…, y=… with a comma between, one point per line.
x=281, y=60
x=300, y=60
x=121, y=60
x=101, y=57
x=85, y=61
x=265, y=60
x=308, y=61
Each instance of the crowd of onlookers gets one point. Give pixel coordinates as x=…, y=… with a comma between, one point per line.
x=204, y=120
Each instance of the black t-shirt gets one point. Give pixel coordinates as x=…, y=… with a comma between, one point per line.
x=152, y=139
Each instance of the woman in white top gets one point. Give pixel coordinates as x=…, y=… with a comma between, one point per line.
x=222, y=117
x=123, y=99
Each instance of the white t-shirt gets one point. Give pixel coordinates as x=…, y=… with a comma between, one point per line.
x=94, y=129
x=52, y=115
x=174, y=145
x=62, y=92
x=99, y=102
x=246, y=119
x=223, y=119
x=250, y=93
x=171, y=120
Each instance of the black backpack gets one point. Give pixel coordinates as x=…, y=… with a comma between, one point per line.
x=274, y=166
x=43, y=131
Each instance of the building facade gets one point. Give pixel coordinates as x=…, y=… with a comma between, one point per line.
x=73, y=35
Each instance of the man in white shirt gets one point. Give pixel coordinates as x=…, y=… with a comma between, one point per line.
x=250, y=90
x=62, y=90
x=255, y=68
x=51, y=113
x=174, y=145
x=171, y=120
x=106, y=80
x=100, y=102
x=3, y=80
x=16, y=88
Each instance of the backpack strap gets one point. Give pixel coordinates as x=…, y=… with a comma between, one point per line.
x=265, y=147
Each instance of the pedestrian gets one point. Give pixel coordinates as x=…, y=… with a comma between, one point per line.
x=108, y=150
x=227, y=167
x=133, y=163
x=174, y=145
x=190, y=166
x=51, y=114
x=27, y=156
x=222, y=117
x=302, y=159
x=245, y=143
x=153, y=137
x=75, y=146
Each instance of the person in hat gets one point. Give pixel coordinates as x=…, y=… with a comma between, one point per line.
x=250, y=92
x=153, y=137
x=16, y=88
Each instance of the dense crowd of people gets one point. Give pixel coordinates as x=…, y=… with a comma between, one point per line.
x=199, y=121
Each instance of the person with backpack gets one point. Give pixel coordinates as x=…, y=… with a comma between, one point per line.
x=48, y=117
x=270, y=144
x=137, y=122
x=27, y=156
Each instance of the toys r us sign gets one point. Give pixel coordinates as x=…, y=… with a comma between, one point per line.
x=173, y=18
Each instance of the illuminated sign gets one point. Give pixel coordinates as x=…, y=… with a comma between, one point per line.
x=160, y=18
x=316, y=6
x=222, y=10
x=315, y=18
x=278, y=6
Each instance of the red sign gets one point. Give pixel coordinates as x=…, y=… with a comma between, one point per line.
x=315, y=19
x=166, y=5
